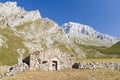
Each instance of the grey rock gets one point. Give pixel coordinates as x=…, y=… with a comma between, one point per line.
x=97, y=65
x=18, y=68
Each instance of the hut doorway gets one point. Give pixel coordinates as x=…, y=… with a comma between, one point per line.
x=54, y=65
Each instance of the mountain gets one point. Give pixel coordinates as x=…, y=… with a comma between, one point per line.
x=85, y=34
x=11, y=15
x=22, y=32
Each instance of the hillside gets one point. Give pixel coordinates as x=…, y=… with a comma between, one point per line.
x=113, y=50
x=24, y=31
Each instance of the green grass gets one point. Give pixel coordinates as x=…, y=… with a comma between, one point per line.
x=113, y=50
x=20, y=27
x=94, y=52
x=112, y=60
x=91, y=50
x=9, y=55
x=63, y=48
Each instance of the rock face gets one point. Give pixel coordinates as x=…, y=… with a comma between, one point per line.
x=11, y=15
x=18, y=68
x=79, y=31
x=51, y=59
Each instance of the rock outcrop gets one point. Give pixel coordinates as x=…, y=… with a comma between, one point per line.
x=18, y=68
x=11, y=15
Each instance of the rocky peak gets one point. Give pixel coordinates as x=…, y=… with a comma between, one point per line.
x=9, y=7
x=76, y=29
x=12, y=15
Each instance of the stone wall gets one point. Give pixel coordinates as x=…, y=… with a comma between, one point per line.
x=17, y=68
x=47, y=59
x=97, y=65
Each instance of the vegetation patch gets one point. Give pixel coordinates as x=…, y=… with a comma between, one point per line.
x=8, y=52
x=63, y=48
x=113, y=50
x=112, y=60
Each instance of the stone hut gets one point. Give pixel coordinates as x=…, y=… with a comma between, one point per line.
x=50, y=59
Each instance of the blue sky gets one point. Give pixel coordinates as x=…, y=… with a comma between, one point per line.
x=102, y=15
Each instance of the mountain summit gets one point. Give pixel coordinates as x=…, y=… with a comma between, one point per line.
x=22, y=32
x=12, y=15
x=77, y=30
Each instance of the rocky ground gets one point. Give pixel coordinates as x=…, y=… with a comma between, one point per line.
x=68, y=75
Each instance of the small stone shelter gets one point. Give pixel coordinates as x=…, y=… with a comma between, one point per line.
x=50, y=59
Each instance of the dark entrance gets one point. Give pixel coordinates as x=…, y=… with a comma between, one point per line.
x=27, y=60
x=54, y=65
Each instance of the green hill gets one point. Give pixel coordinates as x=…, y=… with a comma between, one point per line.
x=113, y=50
x=12, y=42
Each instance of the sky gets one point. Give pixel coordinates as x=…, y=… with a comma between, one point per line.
x=102, y=15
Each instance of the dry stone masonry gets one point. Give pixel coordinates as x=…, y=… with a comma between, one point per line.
x=18, y=68
x=50, y=59
x=97, y=65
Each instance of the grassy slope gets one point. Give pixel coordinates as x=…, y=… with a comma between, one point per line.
x=111, y=60
x=91, y=50
x=8, y=56
x=63, y=48
x=113, y=50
